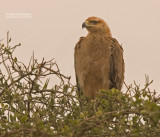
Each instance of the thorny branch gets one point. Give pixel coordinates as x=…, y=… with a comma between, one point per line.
x=31, y=104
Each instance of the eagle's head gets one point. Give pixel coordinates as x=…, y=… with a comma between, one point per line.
x=96, y=25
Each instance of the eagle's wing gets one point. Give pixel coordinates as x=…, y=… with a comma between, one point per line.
x=77, y=47
x=116, y=65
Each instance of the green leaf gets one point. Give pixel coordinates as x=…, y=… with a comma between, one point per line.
x=9, y=40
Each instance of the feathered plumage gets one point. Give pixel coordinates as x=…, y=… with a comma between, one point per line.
x=99, y=60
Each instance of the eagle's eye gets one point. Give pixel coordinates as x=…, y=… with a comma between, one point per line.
x=94, y=22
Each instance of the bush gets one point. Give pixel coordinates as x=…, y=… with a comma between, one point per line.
x=31, y=106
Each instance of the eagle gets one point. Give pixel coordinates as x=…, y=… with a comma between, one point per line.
x=98, y=59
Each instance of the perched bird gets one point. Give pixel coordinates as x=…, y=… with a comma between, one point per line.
x=99, y=60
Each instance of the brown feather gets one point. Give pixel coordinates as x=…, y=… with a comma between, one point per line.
x=98, y=60
x=116, y=65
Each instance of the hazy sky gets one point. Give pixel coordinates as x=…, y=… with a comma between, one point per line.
x=54, y=27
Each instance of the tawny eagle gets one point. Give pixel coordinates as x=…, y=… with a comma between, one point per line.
x=99, y=60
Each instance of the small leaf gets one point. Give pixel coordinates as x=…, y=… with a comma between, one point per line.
x=9, y=40
x=15, y=59
x=99, y=112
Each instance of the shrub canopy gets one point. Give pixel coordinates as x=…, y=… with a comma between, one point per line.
x=32, y=106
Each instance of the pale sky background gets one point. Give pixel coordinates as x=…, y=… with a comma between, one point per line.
x=55, y=27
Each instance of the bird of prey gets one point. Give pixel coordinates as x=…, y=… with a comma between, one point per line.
x=98, y=58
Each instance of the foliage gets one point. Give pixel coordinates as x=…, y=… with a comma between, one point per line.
x=30, y=107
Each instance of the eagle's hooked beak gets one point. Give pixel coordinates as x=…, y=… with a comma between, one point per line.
x=84, y=25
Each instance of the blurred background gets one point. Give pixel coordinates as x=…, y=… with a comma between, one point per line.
x=51, y=29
